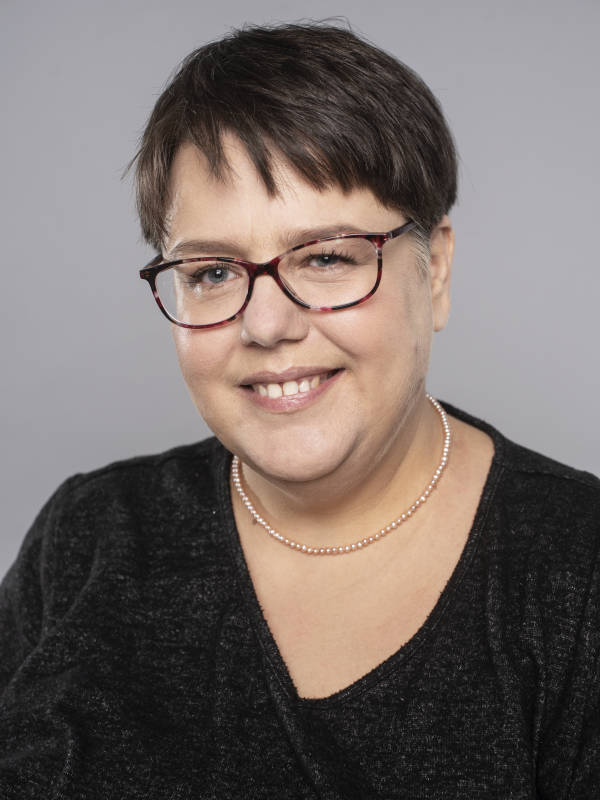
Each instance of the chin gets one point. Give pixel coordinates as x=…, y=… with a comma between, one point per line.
x=302, y=470
x=296, y=456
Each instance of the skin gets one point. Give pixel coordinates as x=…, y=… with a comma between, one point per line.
x=344, y=461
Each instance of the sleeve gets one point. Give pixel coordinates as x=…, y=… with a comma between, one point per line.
x=22, y=594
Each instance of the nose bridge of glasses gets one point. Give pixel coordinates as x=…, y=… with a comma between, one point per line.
x=266, y=268
x=270, y=268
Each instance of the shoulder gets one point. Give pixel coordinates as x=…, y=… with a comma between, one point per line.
x=542, y=518
x=540, y=534
x=145, y=493
x=152, y=508
x=534, y=480
x=139, y=478
x=146, y=487
x=143, y=528
x=550, y=516
x=551, y=513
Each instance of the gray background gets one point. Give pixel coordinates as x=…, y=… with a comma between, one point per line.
x=88, y=369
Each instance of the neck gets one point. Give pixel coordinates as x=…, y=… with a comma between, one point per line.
x=361, y=497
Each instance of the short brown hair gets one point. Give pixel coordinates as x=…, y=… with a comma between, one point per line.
x=340, y=111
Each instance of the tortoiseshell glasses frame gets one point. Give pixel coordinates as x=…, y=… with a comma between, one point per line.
x=156, y=266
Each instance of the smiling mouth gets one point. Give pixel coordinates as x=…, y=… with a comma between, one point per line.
x=291, y=388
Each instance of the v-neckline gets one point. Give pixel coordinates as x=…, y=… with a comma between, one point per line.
x=267, y=642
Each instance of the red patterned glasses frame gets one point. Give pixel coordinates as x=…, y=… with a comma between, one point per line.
x=156, y=266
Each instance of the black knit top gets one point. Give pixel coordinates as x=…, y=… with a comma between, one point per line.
x=135, y=661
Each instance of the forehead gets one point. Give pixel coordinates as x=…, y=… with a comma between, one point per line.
x=238, y=206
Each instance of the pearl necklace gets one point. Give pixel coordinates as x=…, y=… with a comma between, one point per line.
x=332, y=551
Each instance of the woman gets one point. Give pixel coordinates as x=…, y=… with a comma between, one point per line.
x=350, y=592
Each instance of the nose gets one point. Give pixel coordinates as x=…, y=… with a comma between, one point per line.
x=271, y=317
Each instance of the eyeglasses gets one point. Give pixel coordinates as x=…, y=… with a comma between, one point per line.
x=323, y=275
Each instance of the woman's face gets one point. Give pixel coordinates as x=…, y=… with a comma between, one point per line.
x=369, y=361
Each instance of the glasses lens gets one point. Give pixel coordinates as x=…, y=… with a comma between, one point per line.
x=202, y=292
x=331, y=273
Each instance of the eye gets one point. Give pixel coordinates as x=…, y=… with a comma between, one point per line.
x=211, y=274
x=216, y=275
x=328, y=259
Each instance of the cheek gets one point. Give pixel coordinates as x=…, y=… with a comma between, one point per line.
x=419, y=315
x=391, y=335
x=202, y=356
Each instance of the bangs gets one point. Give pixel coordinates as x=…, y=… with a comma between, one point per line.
x=337, y=110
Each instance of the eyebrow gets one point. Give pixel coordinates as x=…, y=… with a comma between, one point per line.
x=228, y=247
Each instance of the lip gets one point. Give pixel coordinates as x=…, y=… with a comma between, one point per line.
x=292, y=402
x=291, y=374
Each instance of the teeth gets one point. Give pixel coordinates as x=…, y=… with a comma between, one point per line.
x=290, y=388
x=274, y=390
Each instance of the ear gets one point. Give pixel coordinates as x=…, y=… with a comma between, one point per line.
x=440, y=271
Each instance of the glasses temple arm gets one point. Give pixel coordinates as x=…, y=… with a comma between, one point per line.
x=402, y=229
